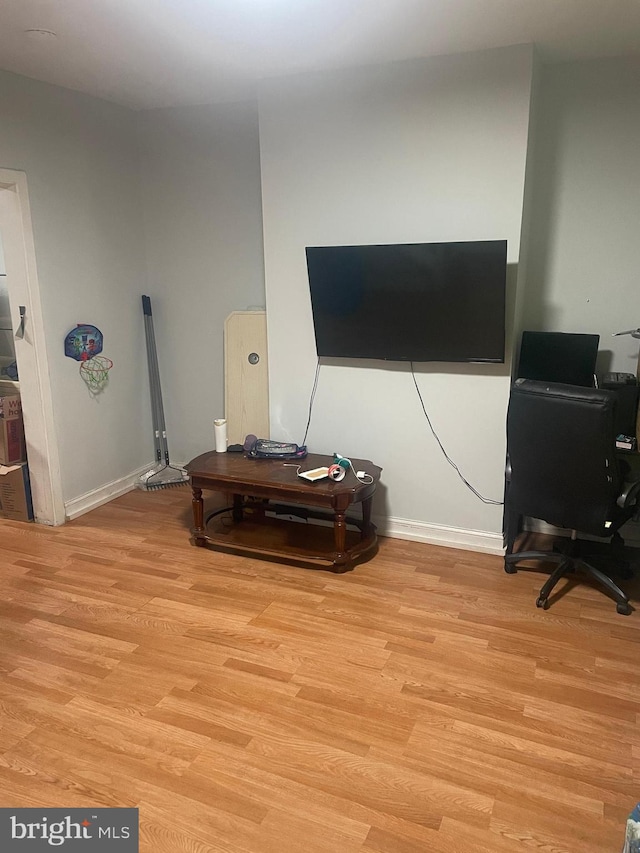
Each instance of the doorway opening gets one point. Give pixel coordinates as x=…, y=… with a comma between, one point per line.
x=27, y=330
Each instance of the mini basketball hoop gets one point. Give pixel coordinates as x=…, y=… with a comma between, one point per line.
x=95, y=372
x=84, y=344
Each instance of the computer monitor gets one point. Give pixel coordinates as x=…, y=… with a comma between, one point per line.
x=558, y=357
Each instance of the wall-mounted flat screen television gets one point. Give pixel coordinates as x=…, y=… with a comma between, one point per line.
x=410, y=301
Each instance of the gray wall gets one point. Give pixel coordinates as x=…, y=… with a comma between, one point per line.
x=96, y=173
x=411, y=152
x=80, y=157
x=200, y=183
x=583, y=274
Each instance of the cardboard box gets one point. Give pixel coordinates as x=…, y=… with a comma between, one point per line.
x=15, y=493
x=12, y=446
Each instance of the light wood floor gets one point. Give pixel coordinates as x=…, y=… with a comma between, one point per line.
x=419, y=703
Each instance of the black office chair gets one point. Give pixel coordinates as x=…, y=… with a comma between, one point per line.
x=562, y=468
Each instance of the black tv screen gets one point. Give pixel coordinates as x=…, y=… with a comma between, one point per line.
x=410, y=301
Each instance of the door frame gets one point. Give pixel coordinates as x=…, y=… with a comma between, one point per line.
x=31, y=351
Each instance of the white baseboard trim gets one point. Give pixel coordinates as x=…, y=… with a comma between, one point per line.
x=103, y=494
x=483, y=541
x=435, y=534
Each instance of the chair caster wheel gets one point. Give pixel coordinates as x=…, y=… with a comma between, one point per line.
x=509, y=569
x=542, y=602
x=623, y=608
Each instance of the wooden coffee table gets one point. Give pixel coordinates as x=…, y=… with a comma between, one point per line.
x=270, y=501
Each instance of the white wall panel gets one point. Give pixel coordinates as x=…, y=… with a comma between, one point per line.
x=422, y=151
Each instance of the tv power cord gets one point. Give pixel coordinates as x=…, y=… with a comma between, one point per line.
x=471, y=488
x=444, y=452
x=311, y=399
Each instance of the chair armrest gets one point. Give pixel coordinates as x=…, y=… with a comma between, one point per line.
x=629, y=493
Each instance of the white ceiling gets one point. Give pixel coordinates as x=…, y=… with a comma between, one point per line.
x=154, y=53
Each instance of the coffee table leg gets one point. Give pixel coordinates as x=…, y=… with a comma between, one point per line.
x=198, y=517
x=237, y=514
x=340, y=558
x=366, y=517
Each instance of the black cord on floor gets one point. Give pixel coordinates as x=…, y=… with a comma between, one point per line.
x=444, y=452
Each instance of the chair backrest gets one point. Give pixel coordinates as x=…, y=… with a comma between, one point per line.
x=562, y=455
